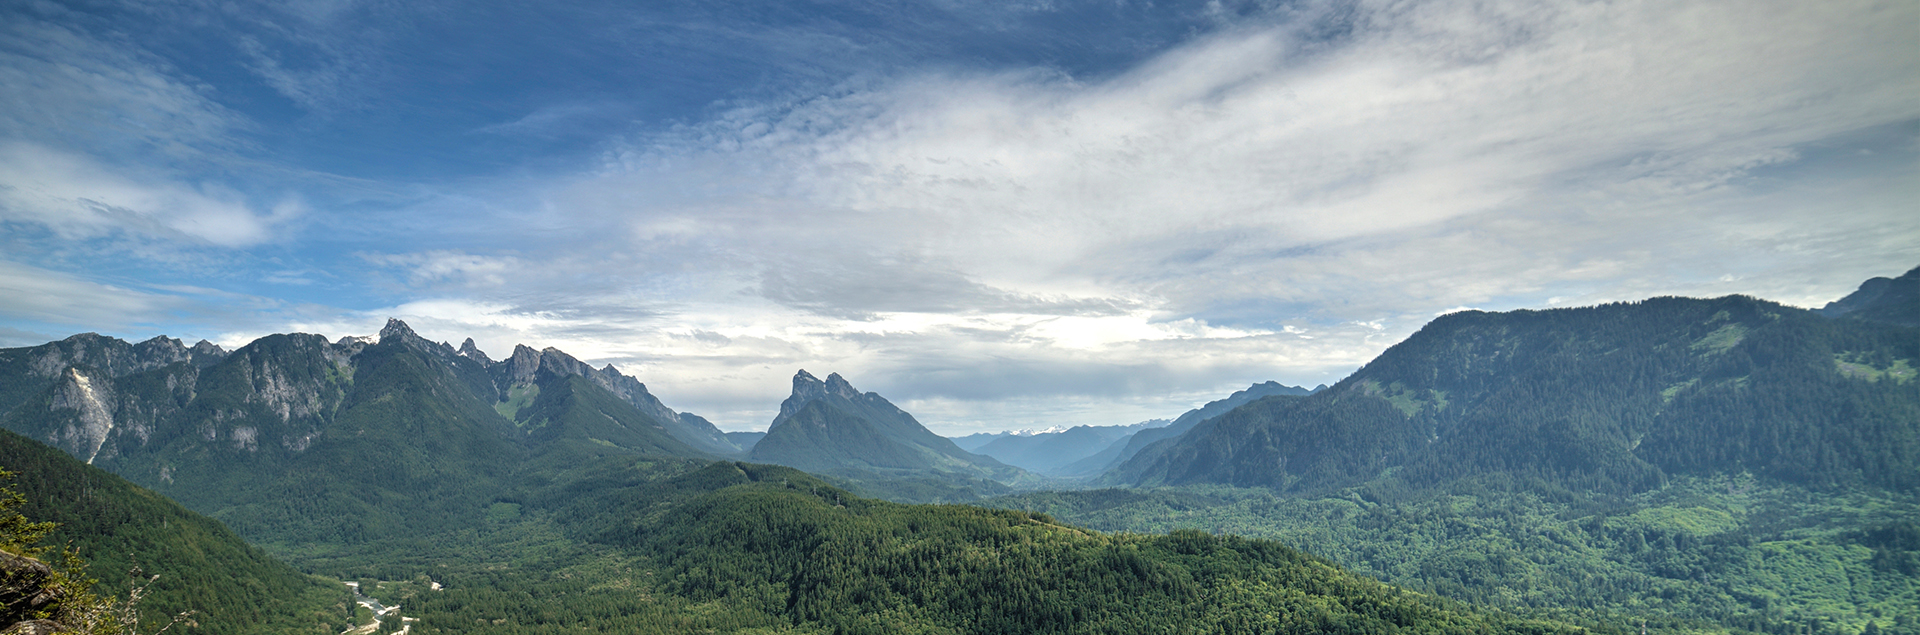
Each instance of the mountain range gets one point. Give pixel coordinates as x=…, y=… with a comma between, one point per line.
x=1049, y=452
x=634, y=543
x=295, y=438
x=399, y=455
x=1082, y=451
x=1610, y=398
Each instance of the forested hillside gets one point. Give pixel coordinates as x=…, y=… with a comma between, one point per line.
x=1697, y=554
x=1890, y=300
x=1615, y=398
x=1725, y=463
x=232, y=587
x=1148, y=441
x=664, y=546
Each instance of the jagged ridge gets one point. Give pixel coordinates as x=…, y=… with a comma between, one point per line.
x=829, y=426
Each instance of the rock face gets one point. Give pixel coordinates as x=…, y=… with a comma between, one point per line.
x=35, y=627
x=471, y=351
x=528, y=368
x=75, y=393
x=102, y=399
x=367, y=426
x=26, y=593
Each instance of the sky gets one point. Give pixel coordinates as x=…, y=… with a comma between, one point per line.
x=999, y=215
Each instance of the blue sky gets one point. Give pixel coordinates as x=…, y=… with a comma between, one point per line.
x=999, y=215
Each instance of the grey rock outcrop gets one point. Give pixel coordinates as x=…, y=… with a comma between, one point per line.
x=26, y=591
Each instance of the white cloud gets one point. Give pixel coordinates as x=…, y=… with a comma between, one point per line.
x=1445, y=154
x=441, y=265
x=548, y=120
x=76, y=198
x=98, y=137
x=1258, y=205
x=75, y=91
x=40, y=295
x=1433, y=112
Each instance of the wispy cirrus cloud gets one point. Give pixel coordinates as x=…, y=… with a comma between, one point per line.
x=1238, y=156
x=73, y=89
x=444, y=265
x=77, y=198
x=38, y=295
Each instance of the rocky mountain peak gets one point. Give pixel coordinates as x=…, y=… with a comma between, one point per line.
x=807, y=388
x=204, y=347
x=111, y=355
x=162, y=342
x=471, y=351
x=804, y=382
x=160, y=350
x=559, y=362
x=350, y=345
x=837, y=385
x=397, y=330
x=528, y=366
x=523, y=364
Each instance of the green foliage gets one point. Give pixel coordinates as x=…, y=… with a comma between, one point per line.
x=202, y=567
x=518, y=397
x=18, y=535
x=1698, y=553
x=74, y=604
x=1613, y=399
x=668, y=545
x=1874, y=367
x=776, y=542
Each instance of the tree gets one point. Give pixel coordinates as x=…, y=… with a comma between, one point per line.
x=73, y=603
